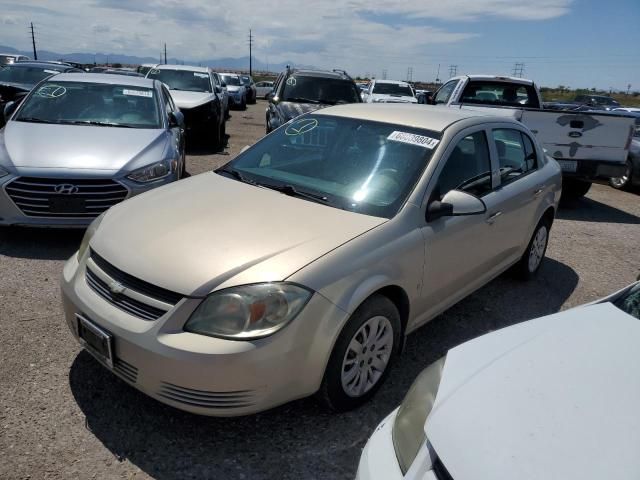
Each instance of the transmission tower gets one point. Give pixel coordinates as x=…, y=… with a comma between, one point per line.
x=453, y=70
x=384, y=74
x=409, y=74
x=518, y=69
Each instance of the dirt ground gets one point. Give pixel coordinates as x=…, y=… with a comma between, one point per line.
x=64, y=416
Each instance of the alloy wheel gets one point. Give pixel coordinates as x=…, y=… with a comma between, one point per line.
x=538, y=247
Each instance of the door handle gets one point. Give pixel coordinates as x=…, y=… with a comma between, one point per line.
x=492, y=217
x=538, y=191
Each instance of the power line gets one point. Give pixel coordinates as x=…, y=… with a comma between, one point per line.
x=33, y=41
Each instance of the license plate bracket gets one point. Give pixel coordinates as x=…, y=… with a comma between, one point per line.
x=96, y=340
x=569, y=166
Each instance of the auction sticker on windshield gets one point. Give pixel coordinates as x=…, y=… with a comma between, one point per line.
x=51, y=91
x=138, y=93
x=413, y=139
x=301, y=127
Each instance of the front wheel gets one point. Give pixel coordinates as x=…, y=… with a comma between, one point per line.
x=362, y=355
x=531, y=260
x=624, y=181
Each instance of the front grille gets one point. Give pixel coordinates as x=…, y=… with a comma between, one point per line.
x=129, y=281
x=205, y=399
x=123, y=302
x=126, y=370
x=79, y=198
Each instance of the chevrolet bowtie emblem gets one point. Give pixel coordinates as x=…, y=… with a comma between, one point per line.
x=116, y=287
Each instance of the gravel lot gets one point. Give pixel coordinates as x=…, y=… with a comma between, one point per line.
x=62, y=415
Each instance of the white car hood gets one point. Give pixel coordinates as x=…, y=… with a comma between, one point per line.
x=394, y=98
x=186, y=100
x=552, y=398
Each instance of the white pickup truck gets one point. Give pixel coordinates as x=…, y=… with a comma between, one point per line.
x=589, y=146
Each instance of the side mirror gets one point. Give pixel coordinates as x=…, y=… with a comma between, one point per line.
x=271, y=96
x=9, y=108
x=176, y=119
x=218, y=89
x=455, y=203
x=224, y=85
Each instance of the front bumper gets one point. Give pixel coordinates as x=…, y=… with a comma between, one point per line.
x=206, y=375
x=378, y=459
x=235, y=98
x=11, y=214
x=593, y=171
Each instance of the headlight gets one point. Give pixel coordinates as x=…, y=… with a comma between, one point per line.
x=408, y=427
x=88, y=235
x=152, y=172
x=249, y=311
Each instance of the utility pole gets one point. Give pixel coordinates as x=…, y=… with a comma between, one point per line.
x=165, y=53
x=438, y=76
x=250, y=45
x=518, y=69
x=33, y=41
x=409, y=74
x=628, y=88
x=453, y=70
x=384, y=74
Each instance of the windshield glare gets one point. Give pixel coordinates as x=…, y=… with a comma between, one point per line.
x=393, y=89
x=25, y=75
x=86, y=103
x=231, y=80
x=630, y=302
x=182, y=79
x=321, y=90
x=357, y=165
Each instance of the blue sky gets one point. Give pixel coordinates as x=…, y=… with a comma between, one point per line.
x=580, y=43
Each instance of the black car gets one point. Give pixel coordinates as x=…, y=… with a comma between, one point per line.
x=601, y=102
x=250, y=85
x=17, y=79
x=631, y=176
x=301, y=91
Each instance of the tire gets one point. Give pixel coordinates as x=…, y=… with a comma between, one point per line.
x=623, y=182
x=529, y=264
x=269, y=129
x=227, y=113
x=243, y=105
x=183, y=169
x=215, y=141
x=342, y=387
x=223, y=134
x=573, y=189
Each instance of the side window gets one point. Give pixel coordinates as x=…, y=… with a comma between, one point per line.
x=468, y=168
x=516, y=154
x=445, y=92
x=168, y=101
x=214, y=81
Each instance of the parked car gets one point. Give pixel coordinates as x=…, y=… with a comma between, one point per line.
x=602, y=102
x=631, y=176
x=344, y=231
x=119, y=71
x=389, y=91
x=423, y=96
x=591, y=147
x=301, y=91
x=196, y=92
x=17, y=79
x=225, y=94
x=250, y=85
x=527, y=402
x=236, y=89
x=145, y=67
x=8, y=58
x=263, y=89
x=80, y=143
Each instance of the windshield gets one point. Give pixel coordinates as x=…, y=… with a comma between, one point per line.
x=246, y=80
x=393, y=89
x=7, y=59
x=83, y=103
x=500, y=93
x=629, y=302
x=25, y=75
x=319, y=90
x=186, y=80
x=357, y=165
x=231, y=80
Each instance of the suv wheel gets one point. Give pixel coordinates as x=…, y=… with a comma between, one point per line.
x=624, y=181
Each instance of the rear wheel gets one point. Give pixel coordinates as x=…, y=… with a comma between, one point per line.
x=216, y=138
x=531, y=260
x=362, y=355
x=625, y=180
x=574, y=188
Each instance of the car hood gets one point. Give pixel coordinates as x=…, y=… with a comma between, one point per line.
x=291, y=110
x=394, y=98
x=553, y=398
x=33, y=145
x=191, y=99
x=209, y=232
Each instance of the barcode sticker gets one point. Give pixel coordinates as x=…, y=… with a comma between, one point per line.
x=138, y=93
x=413, y=139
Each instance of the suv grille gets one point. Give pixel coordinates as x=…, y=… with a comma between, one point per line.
x=65, y=197
x=123, y=301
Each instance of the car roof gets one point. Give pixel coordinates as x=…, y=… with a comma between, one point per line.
x=320, y=73
x=394, y=82
x=495, y=78
x=113, y=79
x=31, y=63
x=190, y=68
x=435, y=118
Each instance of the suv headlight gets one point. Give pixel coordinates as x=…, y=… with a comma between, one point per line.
x=249, y=311
x=88, y=235
x=152, y=172
x=408, y=427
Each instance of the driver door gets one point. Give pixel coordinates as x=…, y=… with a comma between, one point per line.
x=459, y=250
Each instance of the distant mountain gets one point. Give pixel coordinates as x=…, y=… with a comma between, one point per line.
x=229, y=63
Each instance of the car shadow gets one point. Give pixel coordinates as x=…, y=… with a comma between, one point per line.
x=203, y=146
x=300, y=439
x=588, y=210
x=39, y=243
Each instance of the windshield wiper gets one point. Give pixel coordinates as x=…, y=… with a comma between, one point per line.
x=96, y=123
x=34, y=120
x=294, y=192
x=235, y=174
x=301, y=100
